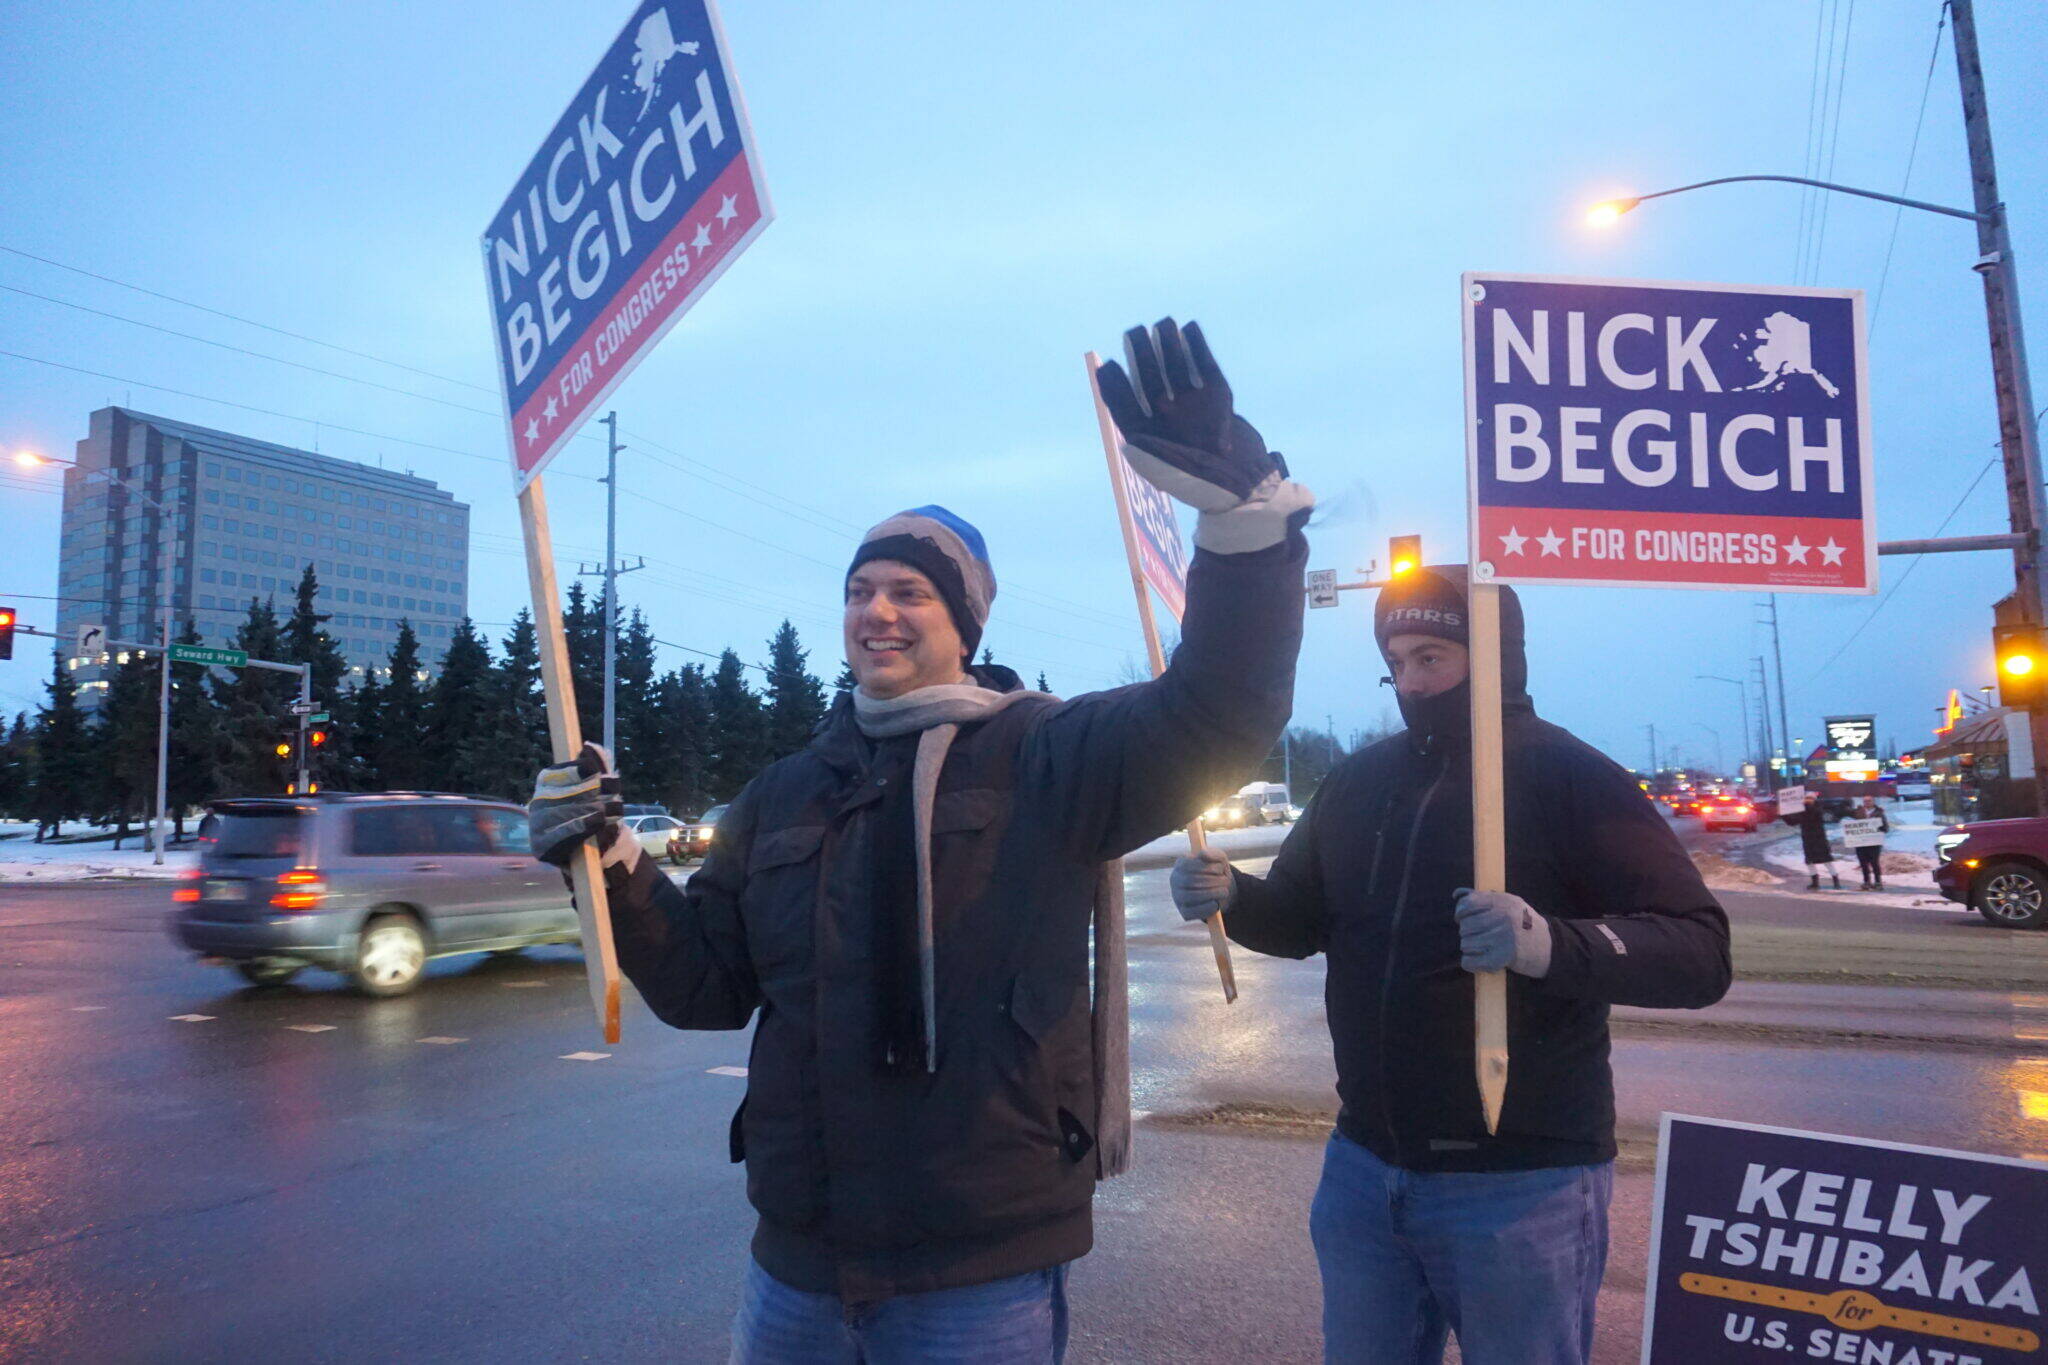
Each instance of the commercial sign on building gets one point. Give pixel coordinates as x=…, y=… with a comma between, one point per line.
x=644, y=192
x=1770, y=1244
x=1851, y=748
x=1668, y=435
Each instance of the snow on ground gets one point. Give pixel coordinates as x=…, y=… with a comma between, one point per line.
x=24, y=860
x=1908, y=857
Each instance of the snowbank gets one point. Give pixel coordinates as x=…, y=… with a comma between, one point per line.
x=24, y=860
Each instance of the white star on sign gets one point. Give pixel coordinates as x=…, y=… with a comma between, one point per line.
x=703, y=238
x=726, y=212
x=532, y=430
x=1831, y=553
x=1512, y=542
x=1550, y=540
x=1796, y=550
x=550, y=410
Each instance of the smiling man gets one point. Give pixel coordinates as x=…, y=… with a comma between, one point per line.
x=935, y=1085
x=1423, y=1221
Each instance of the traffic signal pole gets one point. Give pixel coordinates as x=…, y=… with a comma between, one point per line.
x=2019, y=440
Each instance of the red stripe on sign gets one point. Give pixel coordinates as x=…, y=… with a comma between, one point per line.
x=668, y=281
x=1674, y=550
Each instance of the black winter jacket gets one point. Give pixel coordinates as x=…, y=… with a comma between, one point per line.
x=869, y=1184
x=1813, y=833
x=1368, y=876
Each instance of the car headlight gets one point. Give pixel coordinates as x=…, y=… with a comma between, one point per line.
x=1945, y=845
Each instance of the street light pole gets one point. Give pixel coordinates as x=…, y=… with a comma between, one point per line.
x=1741, y=700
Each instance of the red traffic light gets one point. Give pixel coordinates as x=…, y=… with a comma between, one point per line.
x=317, y=738
x=6, y=632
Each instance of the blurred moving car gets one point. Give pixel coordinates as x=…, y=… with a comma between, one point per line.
x=1728, y=812
x=693, y=840
x=1999, y=868
x=1915, y=786
x=371, y=885
x=653, y=831
x=1268, y=802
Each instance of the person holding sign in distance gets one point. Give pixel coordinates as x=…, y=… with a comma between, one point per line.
x=935, y=1087
x=1423, y=1222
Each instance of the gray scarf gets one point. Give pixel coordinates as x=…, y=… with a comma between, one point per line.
x=936, y=714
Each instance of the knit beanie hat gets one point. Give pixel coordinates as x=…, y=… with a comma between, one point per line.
x=1431, y=601
x=947, y=550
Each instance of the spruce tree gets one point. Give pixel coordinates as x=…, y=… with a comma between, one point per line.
x=583, y=626
x=307, y=641
x=503, y=757
x=399, y=755
x=122, y=737
x=256, y=710
x=1043, y=685
x=359, y=722
x=458, y=708
x=796, y=700
x=635, y=701
x=60, y=777
x=196, y=738
x=673, y=763
x=739, y=731
x=845, y=682
x=14, y=751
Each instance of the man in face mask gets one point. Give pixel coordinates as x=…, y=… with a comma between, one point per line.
x=1423, y=1221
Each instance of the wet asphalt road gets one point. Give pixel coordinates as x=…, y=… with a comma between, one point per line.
x=304, y=1174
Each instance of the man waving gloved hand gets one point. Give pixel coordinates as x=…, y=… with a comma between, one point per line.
x=1184, y=438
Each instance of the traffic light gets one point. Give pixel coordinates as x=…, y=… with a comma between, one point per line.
x=283, y=750
x=316, y=739
x=6, y=632
x=1404, y=555
x=2022, y=653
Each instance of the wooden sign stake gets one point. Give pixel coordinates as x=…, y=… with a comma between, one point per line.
x=565, y=737
x=1197, y=840
x=1489, y=841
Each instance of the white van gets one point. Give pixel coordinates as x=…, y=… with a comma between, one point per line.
x=1269, y=802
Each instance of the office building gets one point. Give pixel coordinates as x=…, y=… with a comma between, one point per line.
x=247, y=517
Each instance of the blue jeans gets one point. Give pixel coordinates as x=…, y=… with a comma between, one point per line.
x=1021, y=1320
x=1511, y=1261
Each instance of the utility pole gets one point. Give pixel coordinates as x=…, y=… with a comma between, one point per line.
x=1763, y=715
x=1654, y=769
x=610, y=571
x=1778, y=654
x=2019, y=440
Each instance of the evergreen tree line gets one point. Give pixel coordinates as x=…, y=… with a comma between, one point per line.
x=687, y=738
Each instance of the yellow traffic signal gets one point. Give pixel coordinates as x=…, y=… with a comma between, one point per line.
x=1404, y=555
x=2022, y=654
x=283, y=751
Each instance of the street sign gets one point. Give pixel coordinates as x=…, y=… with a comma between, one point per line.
x=302, y=708
x=1642, y=434
x=92, y=640
x=1322, y=587
x=1769, y=1242
x=641, y=196
x=317, y=718
x=206, y=654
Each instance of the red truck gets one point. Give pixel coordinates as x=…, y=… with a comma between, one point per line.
x=1999, y=868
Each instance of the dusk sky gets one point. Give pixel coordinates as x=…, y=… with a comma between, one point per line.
x=968, y=198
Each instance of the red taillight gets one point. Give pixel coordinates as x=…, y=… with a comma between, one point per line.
x=1743, y=810
x=307, y=889
x=187, y=893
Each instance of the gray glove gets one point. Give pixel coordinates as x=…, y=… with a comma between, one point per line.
x=1498, y=931
x=1182, y=435
x=577, y=801
x=1202, y=885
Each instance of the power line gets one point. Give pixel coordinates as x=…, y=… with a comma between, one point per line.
x=248, y=322
x=1905, y=181
x=1834, y=141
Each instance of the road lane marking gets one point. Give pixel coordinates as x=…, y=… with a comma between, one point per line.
x=585, y=1056
x=727, y=1071
x=86, y=1009
x=192, y=1018
x=438, y=1039
x=521, y=985
x=311, y=1028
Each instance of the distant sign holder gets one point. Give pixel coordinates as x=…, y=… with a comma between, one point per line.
x=644, y=192
x=1629, y=433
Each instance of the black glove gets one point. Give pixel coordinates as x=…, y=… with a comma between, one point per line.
x=1182, y=435
x=577, y=801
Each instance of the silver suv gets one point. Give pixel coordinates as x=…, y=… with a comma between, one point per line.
x=369, y=885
